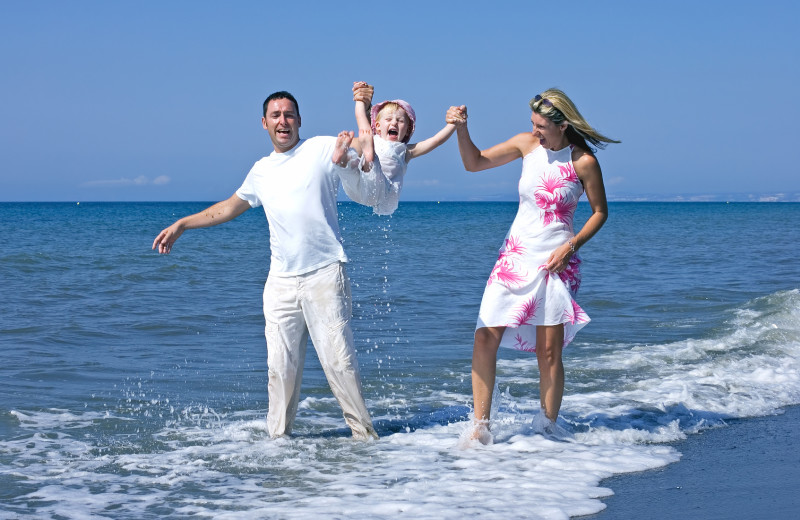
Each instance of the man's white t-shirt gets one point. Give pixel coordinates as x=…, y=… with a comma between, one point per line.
x=298, y=191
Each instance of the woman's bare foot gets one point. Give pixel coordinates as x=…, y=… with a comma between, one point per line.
x=481, y=433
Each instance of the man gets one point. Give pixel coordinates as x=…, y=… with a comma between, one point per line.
x=307, y=290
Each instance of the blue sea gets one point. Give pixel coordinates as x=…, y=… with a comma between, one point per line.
x=134, y=385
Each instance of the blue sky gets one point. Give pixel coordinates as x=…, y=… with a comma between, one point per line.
x=126, y=100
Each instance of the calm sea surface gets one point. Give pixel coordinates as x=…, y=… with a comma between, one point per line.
x=134, y=385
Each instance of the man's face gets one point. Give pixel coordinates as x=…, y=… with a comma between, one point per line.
x=283, y=124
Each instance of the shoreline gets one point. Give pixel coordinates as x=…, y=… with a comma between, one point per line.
x=748, y=469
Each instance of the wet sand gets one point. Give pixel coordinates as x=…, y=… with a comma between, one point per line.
x=749, y=469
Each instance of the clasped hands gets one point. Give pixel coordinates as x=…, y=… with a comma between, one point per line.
x=362, y=91
x=456, y=115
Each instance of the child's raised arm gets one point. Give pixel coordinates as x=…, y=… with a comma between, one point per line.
x=362, y=95
x=429, y=144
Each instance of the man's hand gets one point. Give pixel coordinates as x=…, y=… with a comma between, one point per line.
x=362, y=91
x=167, y=238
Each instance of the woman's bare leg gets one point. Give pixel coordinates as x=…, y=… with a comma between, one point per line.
x=549, y=344
x=484, y=369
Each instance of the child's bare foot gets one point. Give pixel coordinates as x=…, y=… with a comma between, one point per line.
x=343, y=141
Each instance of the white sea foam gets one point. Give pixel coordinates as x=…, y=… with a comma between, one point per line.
x=625, y=403
x=245, y=474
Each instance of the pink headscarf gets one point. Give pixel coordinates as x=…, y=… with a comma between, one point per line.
x=412, y=117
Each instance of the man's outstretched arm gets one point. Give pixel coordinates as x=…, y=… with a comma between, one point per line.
x=217, y=214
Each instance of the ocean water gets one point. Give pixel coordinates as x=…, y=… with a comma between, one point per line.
x=134, y=385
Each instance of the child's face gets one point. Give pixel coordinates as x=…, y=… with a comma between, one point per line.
x=392, y=124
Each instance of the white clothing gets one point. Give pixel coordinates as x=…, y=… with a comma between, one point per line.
x=520, y=293
x=318, y=304
x=307, y=290
x=298, y=191
x=381, y=186
x=392, y=163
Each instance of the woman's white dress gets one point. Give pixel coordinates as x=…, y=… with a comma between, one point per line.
x=520, y=293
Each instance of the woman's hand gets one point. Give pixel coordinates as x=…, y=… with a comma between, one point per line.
x=456, y=115
x=559, y=259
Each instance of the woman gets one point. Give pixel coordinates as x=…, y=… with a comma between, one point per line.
x=528, y=303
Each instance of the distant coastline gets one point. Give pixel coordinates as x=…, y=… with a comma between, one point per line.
x=719, y=197
x=724, y=197
x=789, y=196
x=676, y=197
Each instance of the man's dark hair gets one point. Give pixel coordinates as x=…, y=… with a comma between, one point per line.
x=281, y=95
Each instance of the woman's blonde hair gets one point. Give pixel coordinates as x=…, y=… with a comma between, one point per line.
x=557, y=107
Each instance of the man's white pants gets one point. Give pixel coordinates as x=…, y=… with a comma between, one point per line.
x=316, y=303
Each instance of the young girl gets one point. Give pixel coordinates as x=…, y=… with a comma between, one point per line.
x=382, y=146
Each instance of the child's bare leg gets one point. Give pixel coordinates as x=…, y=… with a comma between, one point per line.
x=343, y=141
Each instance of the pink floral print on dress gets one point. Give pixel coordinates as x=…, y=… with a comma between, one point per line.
x=572, y=274
x=576, y=315
x=550, y=184
x=505, y=271
x=521, y=344
x=568, y=172
x=526, y=312
x=526, y=295
x=554, y=205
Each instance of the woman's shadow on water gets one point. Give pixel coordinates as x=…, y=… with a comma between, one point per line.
x=647, y=419
x=421, y=419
